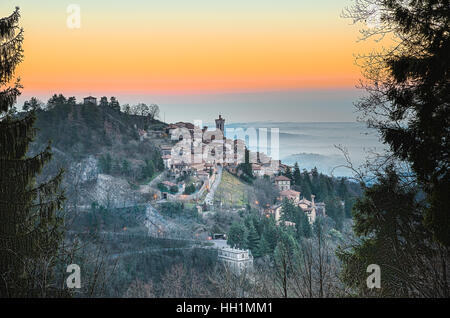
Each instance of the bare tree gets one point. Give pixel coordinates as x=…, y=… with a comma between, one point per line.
x=139, y=289
x=153, y=111
x=228, y=283
x=177, y=282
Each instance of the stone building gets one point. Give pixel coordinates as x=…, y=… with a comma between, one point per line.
x=167, y=159
x=236, y=259
x=283, y=183
x=220, y=124
x=292, y=195
x=90, y=100
x=311, y=208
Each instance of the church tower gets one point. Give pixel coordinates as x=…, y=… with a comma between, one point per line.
x=220, y=124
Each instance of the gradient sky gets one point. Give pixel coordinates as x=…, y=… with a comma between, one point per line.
x=197, y=54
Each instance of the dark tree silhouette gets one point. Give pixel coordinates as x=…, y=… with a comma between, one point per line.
x=408, y=94
x=403, y=220
x=30, y=229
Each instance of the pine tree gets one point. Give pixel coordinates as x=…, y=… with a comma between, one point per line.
x=72, y=101
x=263, y=247
x=306, y=186
x=288, y=211
x=270, y=233
x=104, y=101
x=342, y=189
x=247, y=165
x=408, y=96
x=303, y=225
x=340, y=216
x=297, y=175
x=30, y=229
x=288, y=173
x=237, y=235
x=253, y=240
x=348, y=205
x=114, y=104
x=391, y=233
x=105, y=163
x=315, y=182
x=126, y=167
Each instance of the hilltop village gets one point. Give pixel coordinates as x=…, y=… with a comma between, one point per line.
x=195, y=157
x=191, y=195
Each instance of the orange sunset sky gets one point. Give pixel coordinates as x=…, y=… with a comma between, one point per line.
x=174, y=47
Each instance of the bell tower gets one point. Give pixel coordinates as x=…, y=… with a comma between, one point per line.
x=220, y=124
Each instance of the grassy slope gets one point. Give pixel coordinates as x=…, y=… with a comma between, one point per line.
x=231, y=191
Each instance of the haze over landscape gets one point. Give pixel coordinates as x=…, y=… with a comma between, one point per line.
x=254, y=60
x=116, y=181
x=251, y=61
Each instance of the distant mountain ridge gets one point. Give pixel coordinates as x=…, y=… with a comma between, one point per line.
x=323, y=163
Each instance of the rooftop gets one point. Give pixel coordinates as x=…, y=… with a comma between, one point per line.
x=282, y=178
x=288, y=193
x=232, y=250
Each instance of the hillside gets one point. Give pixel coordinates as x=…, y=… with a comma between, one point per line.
x=112, y=212
x=81, y=133
x=80, y=130
x=232, y=192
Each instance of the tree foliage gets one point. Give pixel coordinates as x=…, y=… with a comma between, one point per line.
x=238, y=235
x=403, y=220
x=408, y=95
x=30, y=228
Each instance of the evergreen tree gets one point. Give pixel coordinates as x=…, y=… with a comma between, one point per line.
x=297, y=176
x=72, y=101
x=116, y=167
x=32, y=104
x=148, y=169
x=56, y=100
x=270, y=233
x=288, y=211
x=284, y=253
x=348, y=205
x=127, y=109
x=340, y=216
x=391, y=235
x=306, y=186
x=158, y=163
x=189, y=189
x=303, y=225
x=403, y=220
x=105, y=163
x=114, y=104
x=103, y=101
x=30, y=229
x=288, y=173
x=408, y=98
x=263, y=247
x=253, y=240
x=342, y=190
x=315, y=182
x=247, y=165
x=126, y=167
x=237, y=235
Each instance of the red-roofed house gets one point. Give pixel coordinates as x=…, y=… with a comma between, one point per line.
x=283, y=183
x=292, y=195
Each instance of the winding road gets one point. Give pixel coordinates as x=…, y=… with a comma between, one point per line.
x=210, y=196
